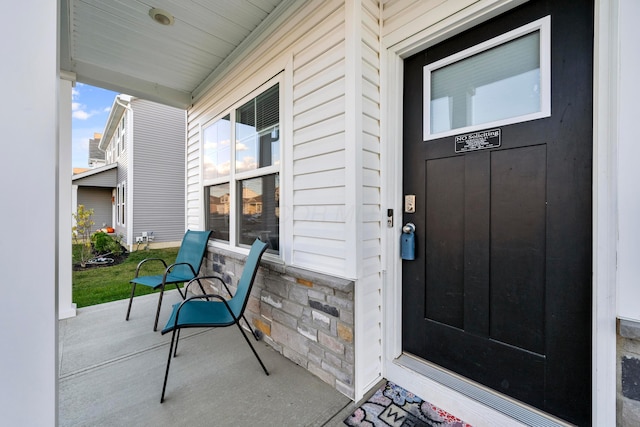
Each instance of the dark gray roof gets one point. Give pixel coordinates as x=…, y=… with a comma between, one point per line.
x=94, y=152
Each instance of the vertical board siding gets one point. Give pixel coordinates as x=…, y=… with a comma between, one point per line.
x=193, y=186
x=158, y=144
x=369, y=288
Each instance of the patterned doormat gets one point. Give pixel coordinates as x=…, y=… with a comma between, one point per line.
x=394, y=406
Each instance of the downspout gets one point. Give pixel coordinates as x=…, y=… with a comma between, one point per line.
x=129, y=180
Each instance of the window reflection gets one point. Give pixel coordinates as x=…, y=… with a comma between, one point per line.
x=218, y=209
x=240, y=210
x=217, y=149
x=258, y=132
x=260, y=210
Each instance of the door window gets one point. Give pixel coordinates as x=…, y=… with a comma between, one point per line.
x=502, y=81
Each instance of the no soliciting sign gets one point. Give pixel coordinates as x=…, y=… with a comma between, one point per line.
x=478, y=140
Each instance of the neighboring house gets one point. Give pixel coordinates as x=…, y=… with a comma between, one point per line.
x=94, y=189
x=96, y=155
x=140, y=190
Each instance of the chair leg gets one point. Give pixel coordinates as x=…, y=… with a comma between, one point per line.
x=184, y=296
x=253, y=332
x=155, y=325
x=255, y=353
x=166, y=374
x=133, y=290
x=202, y=288
x=175, y=349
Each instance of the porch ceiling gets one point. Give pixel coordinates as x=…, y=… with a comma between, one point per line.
x=116, y=44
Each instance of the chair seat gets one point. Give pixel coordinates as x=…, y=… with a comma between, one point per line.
x=156, y=281
x=199, y=314
x=184, y=269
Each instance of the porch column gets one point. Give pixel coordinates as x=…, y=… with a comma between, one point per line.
x=28, y=248
x=66, y=308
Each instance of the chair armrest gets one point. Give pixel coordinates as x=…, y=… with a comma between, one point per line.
x=149, y=259
x=169, y=268
x=195, y=279
x=205, y=296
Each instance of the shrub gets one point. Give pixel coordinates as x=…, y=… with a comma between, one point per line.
x=105, y=244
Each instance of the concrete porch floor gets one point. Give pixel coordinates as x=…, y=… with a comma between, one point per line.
x=111, y=373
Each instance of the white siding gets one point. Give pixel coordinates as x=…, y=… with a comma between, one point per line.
x=403, y=19
x=318, y=115
x=313, y=46
x=330, y=54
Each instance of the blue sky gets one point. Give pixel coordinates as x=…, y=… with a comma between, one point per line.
x=90, y=110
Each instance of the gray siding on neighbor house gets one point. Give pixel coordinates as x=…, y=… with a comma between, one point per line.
x=98, y=199
x=103, y=179
x=158, y=183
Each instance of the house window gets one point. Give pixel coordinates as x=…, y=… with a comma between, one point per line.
x=241, y=171
x=122, y=134
x=116, y=143
x=502, y=81
x=120, y=204
x=123, y=199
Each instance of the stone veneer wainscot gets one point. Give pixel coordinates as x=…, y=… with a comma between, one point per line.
x=628, y=376
x=304, y=315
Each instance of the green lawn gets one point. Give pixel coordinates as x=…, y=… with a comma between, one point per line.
x=104, y=284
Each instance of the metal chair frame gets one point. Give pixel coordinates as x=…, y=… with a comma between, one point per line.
x=167, y=279
x=174, y=326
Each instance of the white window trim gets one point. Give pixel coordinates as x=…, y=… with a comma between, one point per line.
x=542, y=25
x=122, y=133
x=120, y=204
x=118, y=222
x=123, y=204
x=233, y=178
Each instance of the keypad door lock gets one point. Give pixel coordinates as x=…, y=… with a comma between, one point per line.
x=409, y=203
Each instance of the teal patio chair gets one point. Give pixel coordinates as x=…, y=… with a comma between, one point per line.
x=186, y=268
x=201, y=312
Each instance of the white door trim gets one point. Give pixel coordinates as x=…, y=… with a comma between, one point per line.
x=604, y=214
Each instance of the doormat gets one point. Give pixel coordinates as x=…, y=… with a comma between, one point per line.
x=394, y=406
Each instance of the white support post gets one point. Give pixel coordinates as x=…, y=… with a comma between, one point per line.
x=66, y=308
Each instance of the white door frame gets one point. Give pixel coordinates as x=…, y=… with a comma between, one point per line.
x=604, y=213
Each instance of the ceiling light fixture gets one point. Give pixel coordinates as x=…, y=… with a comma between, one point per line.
x=161, y=16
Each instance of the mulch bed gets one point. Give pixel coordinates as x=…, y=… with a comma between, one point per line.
x=117, y=259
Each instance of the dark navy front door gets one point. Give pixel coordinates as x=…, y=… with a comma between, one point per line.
x=500, y=290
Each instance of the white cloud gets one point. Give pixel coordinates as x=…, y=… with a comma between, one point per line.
x=81, y=115
x=79, y=111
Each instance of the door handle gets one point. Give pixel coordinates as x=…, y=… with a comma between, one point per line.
x=408, y=242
